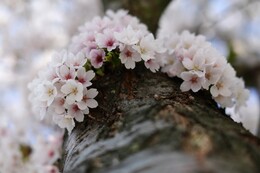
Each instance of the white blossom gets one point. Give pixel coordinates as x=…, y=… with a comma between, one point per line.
x=106, y=40
x=152, y=64
x=76, y=61
x=73, y=91
x=191, y=81
x=146, y=47
x=128, y=36
x=196, y=64
x=85, y=77
x=88, y=100
x=129, y=56
x=75, y=112
x=59, y=58
x=48, y=92
x=66, y=73
x=64, y=121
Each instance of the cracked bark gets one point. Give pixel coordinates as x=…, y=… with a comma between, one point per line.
x=144, y=123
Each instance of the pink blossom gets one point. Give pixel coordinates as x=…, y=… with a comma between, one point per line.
x=152, y=64
x=76, y=61
x=129, y=56
x=85, y=77
x=106, y=40
x=75, y=112
x=88, y=100
x=97, y=57
x=66, y=73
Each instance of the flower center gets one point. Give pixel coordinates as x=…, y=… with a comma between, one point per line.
x=194, y=80
x=128, y=54
x=196, y=68
x=82, y=80
x=74, y=91
x=61, y=102
x=143, y=50
x=85, y=98
x=50, y=92
x=110, y=43
x=208, y=76
x=219, y=85
x=99, y=59
x=75, y=108
x=51, y=153
x=68, y=76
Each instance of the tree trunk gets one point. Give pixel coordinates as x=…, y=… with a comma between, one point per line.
x=145, y=124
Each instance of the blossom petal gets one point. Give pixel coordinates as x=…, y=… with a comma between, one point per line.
x=187, y=63
x=92, y=93
x=185, y=86
x=92, y=103
x=90, y=75
x=82, y=105
x=214, y=91
x=195, y=87
x=81, y=72
x=79, y=116
x=66, y=89
x=186, y=75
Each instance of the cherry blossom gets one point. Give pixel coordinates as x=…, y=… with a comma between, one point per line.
x=240, y=93
x=196, y=64
x=212, y=75
x=56, y=92
x=66, y=73
x=152, y=64
x=201, y=66
x=74, y=111
x=59, y=58
x=88, y=100
x=73, y=91
x=85, y=77
x=76, y=61
x=106, y=40
x=24, y=150
x=129, y=56
x=191, y=81
x=64, y=121
x=128, y=36
x=48, y=92
x=118, y=37
x=146, y=47
x=222, y=87
x=59, y=105
x=97, y=57
x=117, y=34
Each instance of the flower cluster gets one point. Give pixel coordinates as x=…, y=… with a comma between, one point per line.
x=27, y=151
x=201, y=66
x=61, y=90
x=117, y=36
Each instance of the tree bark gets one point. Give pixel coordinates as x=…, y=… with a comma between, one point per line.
x=145, y=124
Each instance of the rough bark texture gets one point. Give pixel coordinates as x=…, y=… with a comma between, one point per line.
x=145, y=124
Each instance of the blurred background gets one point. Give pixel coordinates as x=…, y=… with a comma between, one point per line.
x=30, y=31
